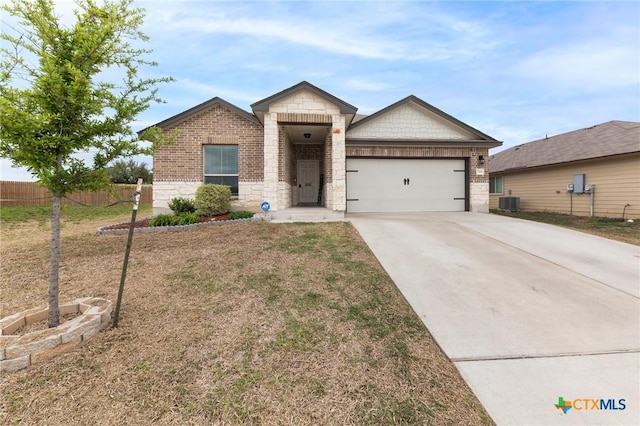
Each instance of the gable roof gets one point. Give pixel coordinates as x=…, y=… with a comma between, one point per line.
x=183, y=116
x=602, y=140
x=480, y=137
x=260, y=107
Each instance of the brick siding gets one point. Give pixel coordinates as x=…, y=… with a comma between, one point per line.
x=182, y=161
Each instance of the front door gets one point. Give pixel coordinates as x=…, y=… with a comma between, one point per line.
x=308, y=181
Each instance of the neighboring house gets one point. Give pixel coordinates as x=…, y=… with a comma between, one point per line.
x=305, y=147
x=605, y=158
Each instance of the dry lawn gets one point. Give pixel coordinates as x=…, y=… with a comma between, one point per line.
x=252, y=323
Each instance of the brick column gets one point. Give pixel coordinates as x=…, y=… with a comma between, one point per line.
x=270, y=192
x=338, y=153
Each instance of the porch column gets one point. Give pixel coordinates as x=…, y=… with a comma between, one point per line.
x=338, y=154
x=270, y=192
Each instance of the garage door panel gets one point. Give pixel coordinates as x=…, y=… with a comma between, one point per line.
x=396, y=185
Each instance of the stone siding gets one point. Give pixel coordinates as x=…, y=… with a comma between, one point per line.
x=338, y=169
x=304, y=102
x=479, y=197
x=303, y=107
x=271, y=160
x=409, y=122
x=164, y=191
x=249, y=198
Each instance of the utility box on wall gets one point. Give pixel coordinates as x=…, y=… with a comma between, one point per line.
x=578, y=184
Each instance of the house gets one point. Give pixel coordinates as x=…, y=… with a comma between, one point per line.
x=305, y=147
x=587, y=172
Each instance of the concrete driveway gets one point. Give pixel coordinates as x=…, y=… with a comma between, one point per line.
x=529, y=313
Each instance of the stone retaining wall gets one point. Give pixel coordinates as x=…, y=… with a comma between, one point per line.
x=20, y=351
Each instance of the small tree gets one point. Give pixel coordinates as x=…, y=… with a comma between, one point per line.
x=54, y=107
x=128, y=172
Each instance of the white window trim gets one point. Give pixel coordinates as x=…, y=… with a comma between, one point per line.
x=205, y=175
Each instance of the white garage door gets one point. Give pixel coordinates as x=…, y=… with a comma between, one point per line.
x=405, y=185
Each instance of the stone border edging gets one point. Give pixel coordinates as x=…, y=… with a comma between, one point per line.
x=174, y=228
x=18, y=352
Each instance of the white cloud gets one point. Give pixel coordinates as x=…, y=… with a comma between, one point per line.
x=587, y=66
x=306, y=34
x=206, y=91
x=381, y=31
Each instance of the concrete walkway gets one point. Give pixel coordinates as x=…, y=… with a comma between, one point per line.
x=528, y=312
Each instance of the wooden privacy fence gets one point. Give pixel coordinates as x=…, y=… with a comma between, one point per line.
x=30, y=194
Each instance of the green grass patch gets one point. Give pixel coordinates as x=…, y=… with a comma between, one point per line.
x=266, y=282
x=392, y=410
x=299, y=334
x=612, y=228
x=75, y=214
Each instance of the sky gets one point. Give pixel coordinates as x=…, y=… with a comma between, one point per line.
x=517, y=71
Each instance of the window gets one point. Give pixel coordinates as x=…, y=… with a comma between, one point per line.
x=495, y=185
x=221, y=165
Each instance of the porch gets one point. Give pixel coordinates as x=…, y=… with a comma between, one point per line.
x=304, y=147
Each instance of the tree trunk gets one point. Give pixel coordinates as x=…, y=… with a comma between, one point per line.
x=54, y=272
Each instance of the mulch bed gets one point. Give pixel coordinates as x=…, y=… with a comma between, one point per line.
x=144, y=223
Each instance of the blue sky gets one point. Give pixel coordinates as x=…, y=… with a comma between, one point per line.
x=516, y=71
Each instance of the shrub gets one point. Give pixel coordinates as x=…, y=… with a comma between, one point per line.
x=181, y=205
x=212, y=199
x=242, y=214
x=187, y=218
x=163, y=220
x=174, y=220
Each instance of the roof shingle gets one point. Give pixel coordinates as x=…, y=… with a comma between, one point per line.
x=602, y=140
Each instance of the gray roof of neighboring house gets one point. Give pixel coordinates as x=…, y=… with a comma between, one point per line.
x=602, y=140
